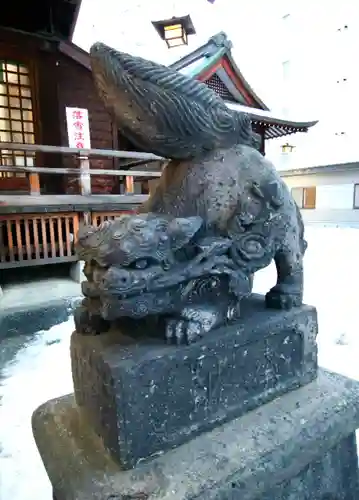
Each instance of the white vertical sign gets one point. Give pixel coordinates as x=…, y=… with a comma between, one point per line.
x=78, y=128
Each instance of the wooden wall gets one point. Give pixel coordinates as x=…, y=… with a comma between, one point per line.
x=60, y=81
x=76, y=88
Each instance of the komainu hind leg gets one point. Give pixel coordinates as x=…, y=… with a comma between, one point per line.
x=288, y=292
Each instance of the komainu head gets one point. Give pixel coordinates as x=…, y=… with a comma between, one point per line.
x=137, y=241
x=154, y=264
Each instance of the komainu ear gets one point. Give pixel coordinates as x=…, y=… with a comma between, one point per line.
x=182, y=229
x=85, y=230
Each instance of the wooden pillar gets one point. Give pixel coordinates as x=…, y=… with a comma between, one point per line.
x=85, y=178
x=85, y=184
x=262, y=132
x=34, y=182
x=129, y=183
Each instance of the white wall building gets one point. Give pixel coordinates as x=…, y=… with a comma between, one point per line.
x=320, y=75
x=318, y=56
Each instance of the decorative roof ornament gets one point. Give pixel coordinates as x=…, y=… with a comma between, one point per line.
x=221, y=40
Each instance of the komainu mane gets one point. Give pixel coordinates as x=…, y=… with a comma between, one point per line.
x=220, y=213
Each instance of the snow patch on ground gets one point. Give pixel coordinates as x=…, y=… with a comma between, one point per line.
x=40, y=370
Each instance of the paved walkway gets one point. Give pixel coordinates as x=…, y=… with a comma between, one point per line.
x=35, y=299
x=37, y=294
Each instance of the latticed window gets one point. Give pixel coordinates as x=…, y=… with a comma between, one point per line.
x=216, y=84
x=16, y=114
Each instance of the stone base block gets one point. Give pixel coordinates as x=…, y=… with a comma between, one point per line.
x=143, y=397
x=301, y=446
x=76, y=271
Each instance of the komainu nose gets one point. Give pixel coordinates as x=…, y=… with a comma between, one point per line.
x=123, y=278
x=119, y=278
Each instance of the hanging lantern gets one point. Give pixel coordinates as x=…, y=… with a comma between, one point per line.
x=175, y=35
x=287, y=148
x=175, y=31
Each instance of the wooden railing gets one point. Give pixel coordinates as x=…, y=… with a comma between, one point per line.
x=43, y=238
x=100, y=217
x=84, y=172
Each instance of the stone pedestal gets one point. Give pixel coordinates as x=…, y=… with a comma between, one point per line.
x=300, y=446
x=143, y=397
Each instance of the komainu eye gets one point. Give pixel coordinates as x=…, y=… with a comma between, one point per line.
x=141, y=264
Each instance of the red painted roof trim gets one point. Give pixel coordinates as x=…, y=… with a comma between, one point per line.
x=238, y=83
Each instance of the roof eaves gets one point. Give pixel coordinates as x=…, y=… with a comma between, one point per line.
x=75, y=53
x=319, y=169
x=266, y=117
x=283, y=123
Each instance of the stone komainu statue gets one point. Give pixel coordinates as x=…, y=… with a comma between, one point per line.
x=220, y=213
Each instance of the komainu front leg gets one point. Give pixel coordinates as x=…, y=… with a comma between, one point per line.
x=288, y=292
x=194, y=322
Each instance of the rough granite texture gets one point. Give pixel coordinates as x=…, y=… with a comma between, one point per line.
x=334, y=476
x=143, y=398
x=298, y=447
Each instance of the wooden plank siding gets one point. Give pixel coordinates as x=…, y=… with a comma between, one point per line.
x=98, y=218
x=76, y=88
x=57, y=82
x=40, y=239
x=37, y=239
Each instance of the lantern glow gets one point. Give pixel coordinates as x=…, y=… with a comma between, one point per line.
x=287, y=148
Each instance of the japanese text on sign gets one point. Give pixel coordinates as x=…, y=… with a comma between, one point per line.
x=78, y=128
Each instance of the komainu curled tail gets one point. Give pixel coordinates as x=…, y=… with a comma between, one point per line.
x=163, y=111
